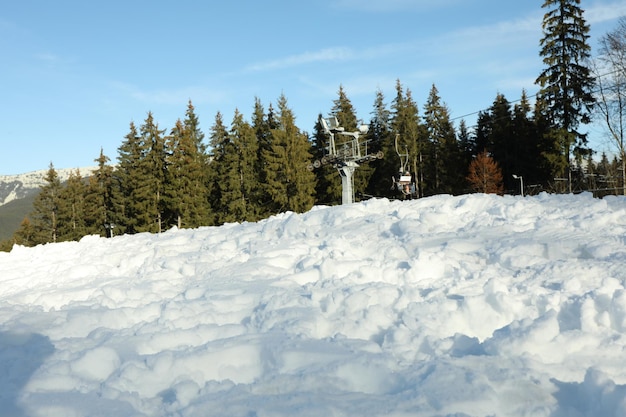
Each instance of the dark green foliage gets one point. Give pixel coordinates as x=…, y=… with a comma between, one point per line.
x=44, y=217
x=219, y=143
x=445, y=156
x=288, y=182
x=410, y=137
x=99, y=198
x=566, y=82
x=328, y=184
x=128, y=181
x=239, y=180
x=382, y=139
x=345, y=113
x=71, y=209
x=185, y=196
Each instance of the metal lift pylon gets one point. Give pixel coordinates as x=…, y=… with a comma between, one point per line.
x=345, y=155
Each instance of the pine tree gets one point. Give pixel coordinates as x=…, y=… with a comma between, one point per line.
x=71, y=212
x=44, y=217
x=99, y=201
x=464, y=139
x=382, y=139
x=128, y=179
x=485, y=175
x=410, y=136
x=25, y=235
x=219, y=143
x=501, y=139
x=240, y=180
x=566, y=82
x=185, y=196
x=328, y=181
x=445, y=156
x=527, y=160
x=289, y=183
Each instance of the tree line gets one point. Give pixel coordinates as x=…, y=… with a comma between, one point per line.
x=249, y=170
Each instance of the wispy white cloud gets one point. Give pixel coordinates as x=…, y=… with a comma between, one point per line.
x=598, y=13
x=174, y=96
x=323, y=55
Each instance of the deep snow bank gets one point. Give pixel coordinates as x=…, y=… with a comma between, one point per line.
x=450, y=306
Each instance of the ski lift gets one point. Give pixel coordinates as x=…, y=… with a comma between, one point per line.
x=403, y=181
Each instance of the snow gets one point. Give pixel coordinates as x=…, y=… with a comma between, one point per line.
x=15, y=187
x=466, y=306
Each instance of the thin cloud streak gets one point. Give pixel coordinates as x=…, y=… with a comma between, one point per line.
x=605, y=12
x=324, y=55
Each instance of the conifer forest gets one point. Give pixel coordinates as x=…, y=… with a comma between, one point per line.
x=236, y=168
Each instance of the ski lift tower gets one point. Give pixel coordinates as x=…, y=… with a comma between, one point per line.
x=346, y=153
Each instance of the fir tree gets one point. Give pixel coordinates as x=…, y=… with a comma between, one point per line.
x=445, y=156
x=99, y=201
x=382, y=139
x=240, y=180
x=566, y=82
x=71, y=212
x=44, y=217
x=219, y=143
x=289, y=183
x=501, y=139
x=410, y=135
x=128, y=180
x=25, y=235
x=185, y=195
x=328, y=184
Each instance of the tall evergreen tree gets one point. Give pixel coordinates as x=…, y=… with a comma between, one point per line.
x=445, y=155
x=219, y=144
x=328, y=184
x=410, y=136
x=71, y=213
x=263, y=123
x=464, y=139
x=382, y=138
x=501, y=139
x=185, y=194
x=566, y=81
x=45, y=212
x=289, y=183
x=240, y=179
x=527, y=160
x=128, y=179
x=99, y=201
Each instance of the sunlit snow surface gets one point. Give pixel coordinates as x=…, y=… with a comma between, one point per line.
x=447, y=306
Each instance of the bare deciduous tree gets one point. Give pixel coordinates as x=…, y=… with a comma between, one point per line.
x=611, y=82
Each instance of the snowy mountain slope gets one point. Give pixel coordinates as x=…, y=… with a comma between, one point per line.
x=17, y=193
x=13, y=187
x=448, y=306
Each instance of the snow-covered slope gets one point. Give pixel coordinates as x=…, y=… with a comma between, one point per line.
x=448, y=306
x=13, y=187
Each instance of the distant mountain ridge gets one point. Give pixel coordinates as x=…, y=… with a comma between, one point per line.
x=17, y=193
x=13, y=187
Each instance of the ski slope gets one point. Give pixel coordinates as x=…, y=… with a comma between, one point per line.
x=467, y=306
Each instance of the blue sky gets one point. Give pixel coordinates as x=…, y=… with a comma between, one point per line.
x=74, y=74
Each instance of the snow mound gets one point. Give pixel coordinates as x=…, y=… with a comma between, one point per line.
x=465, y=306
